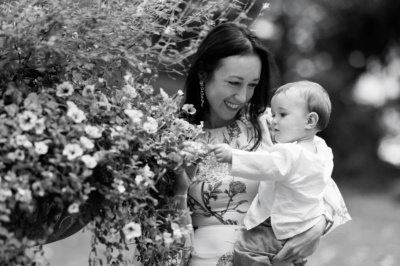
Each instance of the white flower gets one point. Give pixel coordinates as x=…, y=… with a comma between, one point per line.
x=40, y=126
x=65, y=89
x=23, y=195
x=71, y=105
x=265, y=6
x=72, y=151
x=89, y=161
x=150, y=126
x=134, y=115
x=167, y=238
x=86, y=142
x=189, y=108
x=16, y=155
x=139, y=179
x=131, y=91
x=76, y=114
x=176, y=231
x=41, y=147
x=37, y=187
x=179, y=92
x=132, y=230
x=168, y=30
x=164, y=95
x=120, y=186
x=128, y=78
x=5, y=193
x=93, y=131
x=147, y=172
x=27, y=120
x=88, y=90
x=22, y=140
x=73, y=208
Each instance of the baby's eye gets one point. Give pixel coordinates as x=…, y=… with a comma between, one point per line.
x=283, y=114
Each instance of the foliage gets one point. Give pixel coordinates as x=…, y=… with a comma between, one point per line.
x=82, y=133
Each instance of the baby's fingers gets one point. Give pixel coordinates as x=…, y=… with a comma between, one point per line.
x=211, y=148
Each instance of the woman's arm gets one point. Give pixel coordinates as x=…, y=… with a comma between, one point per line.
x=303, y=245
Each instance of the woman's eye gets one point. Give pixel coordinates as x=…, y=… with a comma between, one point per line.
x=233, y=83
x=253, y=85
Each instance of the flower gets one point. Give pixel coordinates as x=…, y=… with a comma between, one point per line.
x=76, y=114
x=11, y=109
x=5, y=193
x=93, y=131
x=86, y=142
x=130, y=91
x=189, y=108
x=150, y=126
x=27, y=120
x=134, y=115
x=132, y=230
x=41, y=147
x=72, y=151
x=22, y=140
x=40, y=126
x=23, y=195
x=120, y=186
x=89, y=161
x=147, y=172
x=88, y=91
x=65, y=89
x=139, y=179
x=179, y=92
x=176, y=231
x=164, y=95
x=73, y=208
x=167, y=238
x=38, y=189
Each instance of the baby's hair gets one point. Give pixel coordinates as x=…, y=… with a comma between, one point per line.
x=316, y=97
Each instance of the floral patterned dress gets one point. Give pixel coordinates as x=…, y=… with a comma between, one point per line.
x=219, y=201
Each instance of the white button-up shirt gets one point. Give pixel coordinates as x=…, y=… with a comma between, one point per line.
x=300, y=179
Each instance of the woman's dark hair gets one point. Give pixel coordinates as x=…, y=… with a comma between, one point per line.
x=225, y=40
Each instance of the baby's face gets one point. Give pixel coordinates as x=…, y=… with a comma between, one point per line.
x=290, y=116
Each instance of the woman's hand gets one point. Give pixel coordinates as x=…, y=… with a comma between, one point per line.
x=299, y=247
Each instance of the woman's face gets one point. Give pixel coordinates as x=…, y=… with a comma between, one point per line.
x=230, y=87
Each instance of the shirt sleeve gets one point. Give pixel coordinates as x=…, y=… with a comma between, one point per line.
x=275, y=164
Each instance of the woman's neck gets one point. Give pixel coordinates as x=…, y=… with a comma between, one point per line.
x=210, y=124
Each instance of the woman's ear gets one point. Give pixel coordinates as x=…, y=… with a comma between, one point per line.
x=312, y=120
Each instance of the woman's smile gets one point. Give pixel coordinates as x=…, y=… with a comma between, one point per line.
x=232, y=106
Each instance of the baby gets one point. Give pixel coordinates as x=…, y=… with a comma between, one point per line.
x=300, y=165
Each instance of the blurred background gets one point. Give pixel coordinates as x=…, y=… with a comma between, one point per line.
x=352, y=48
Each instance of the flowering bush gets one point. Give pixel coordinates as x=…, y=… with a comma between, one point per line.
x=83, y=135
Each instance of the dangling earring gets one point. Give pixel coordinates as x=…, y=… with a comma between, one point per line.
x=202, y=92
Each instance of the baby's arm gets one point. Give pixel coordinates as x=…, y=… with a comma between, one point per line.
x=223, y=152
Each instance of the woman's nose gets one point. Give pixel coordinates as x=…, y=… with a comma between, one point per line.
x=241, y=95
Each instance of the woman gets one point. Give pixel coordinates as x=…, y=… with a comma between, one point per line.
x=228, y=84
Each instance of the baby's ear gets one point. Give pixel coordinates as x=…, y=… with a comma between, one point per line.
x=312, y=120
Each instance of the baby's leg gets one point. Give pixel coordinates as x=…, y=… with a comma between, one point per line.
x=256, y=247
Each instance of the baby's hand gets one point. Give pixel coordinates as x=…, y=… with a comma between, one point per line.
x=223, y=152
